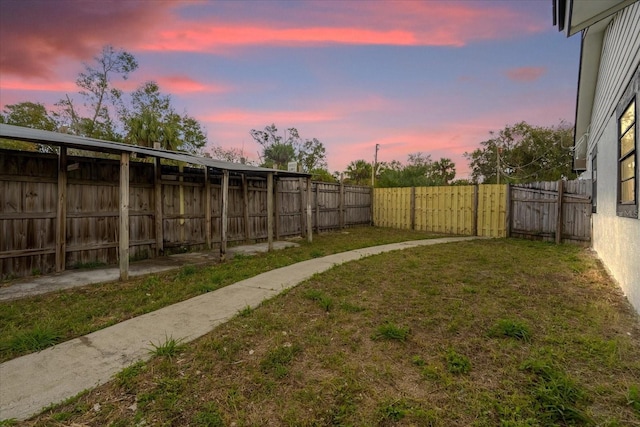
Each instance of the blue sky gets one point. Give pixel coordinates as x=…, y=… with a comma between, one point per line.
x=413, y=76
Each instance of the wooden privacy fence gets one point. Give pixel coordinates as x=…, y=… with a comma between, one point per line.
x=556, y=211
x=468, y=210
x=30, y=210
x=524, y=210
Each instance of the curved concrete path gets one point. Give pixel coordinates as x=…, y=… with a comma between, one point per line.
x=30, y=383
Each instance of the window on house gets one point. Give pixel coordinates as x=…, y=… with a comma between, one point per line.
x=627, y=149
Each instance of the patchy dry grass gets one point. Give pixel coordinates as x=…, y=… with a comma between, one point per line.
x=32, y=324
x=464, y=358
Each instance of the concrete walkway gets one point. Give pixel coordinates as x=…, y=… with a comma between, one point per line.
x=32, y=382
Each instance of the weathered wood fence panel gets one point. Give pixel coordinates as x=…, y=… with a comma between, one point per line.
x=356, y=205
x=29, y=208
x=535, y=212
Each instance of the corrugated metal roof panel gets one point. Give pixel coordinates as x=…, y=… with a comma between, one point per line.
x=91, y=144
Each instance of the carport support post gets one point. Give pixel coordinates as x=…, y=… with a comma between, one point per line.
x=124, y=216
x=303, y=204
x=309, y=212
x=559, y=218
x=224, y=214
x=158, y=207
x=270, y=210
x=277, y=209
x=207, y=207
x=61, y=223
x=245, y=208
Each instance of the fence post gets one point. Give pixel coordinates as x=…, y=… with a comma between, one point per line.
x=224, y=214
x=61, y=223
x=303, y=205
x=277, y=209
x=207, y=207
x=476, y=188
x=507, y=217
x=245, y=208
x=317, y=207
x=270, y=211
x=124, y=216
x=341, y=206
x=559, y=218
x=372, y=198
x=412, y=207
x=158, y=207
x=309, y=213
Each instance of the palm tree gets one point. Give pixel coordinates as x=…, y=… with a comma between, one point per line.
x=359, y=172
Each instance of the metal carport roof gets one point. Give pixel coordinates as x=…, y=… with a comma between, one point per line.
x=82, y=143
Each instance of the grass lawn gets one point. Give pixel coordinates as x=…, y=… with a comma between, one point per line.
x=32, y=324
x=482, y=333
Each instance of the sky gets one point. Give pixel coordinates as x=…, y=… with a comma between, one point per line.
x=412, y=76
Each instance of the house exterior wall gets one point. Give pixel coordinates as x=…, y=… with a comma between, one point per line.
x=616, y=239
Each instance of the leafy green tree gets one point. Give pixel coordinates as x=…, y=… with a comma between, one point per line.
x=100, y=98
x=524, y=153
x=233, y=155
x=358, y=172
x=278, y=151
x=311, y=155
x=321, y=174
x=443, y=171
x=153, y=119
x=26, y=114
x=419, y=171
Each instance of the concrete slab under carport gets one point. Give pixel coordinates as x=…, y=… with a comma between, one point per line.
x=67, y=279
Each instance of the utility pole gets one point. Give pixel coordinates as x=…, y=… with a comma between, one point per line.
x=375, y=164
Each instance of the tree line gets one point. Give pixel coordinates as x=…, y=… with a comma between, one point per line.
x=146, y=116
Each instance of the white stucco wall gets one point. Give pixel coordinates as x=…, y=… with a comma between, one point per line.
x=615, y=239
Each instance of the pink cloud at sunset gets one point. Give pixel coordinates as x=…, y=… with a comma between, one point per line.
x=269, y=117
x=207, y=38
x=37, y=34
x=412, y=76
x=525, y=74
x=396, y=23
x=181, y=84
x=30, y=85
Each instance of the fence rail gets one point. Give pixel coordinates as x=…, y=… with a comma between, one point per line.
x=29, y=210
